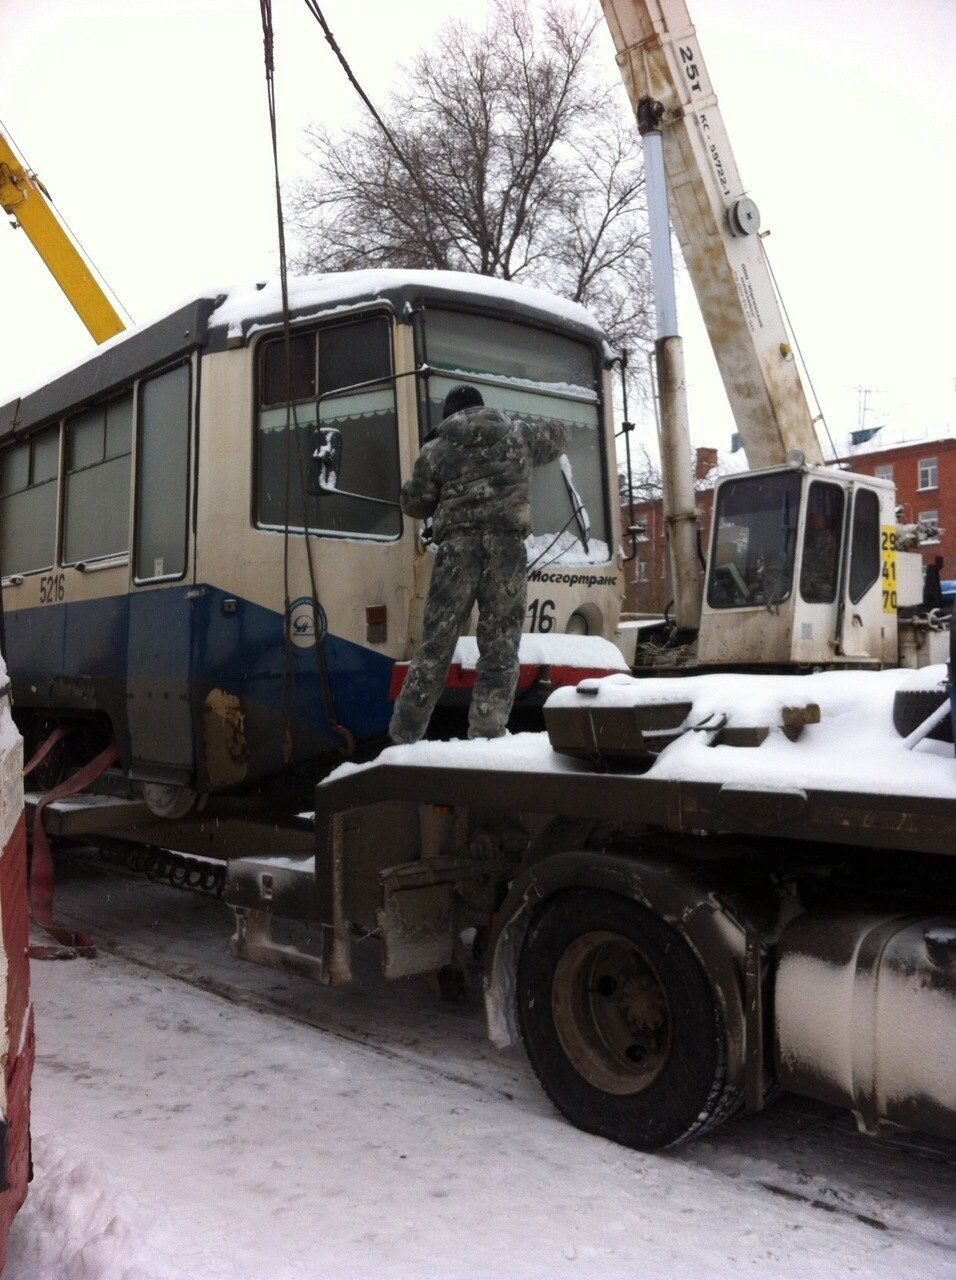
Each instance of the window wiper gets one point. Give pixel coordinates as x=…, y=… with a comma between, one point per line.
x=581, y=517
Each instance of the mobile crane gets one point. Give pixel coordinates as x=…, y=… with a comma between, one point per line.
x=805, y=567
x=26, y=200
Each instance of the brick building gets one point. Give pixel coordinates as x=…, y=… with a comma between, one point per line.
x=924, y=472
x=646, y=576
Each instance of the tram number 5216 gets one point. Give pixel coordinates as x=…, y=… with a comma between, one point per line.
x=542, y=615
x=52, y=589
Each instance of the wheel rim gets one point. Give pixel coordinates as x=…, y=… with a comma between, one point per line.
x=611, y=1012
x=167, y=800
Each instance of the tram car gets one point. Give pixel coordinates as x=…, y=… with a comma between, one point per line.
x=179, y=573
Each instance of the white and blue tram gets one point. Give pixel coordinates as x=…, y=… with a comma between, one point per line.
x=167, y=556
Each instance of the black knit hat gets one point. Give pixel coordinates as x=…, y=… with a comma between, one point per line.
x=463, y=396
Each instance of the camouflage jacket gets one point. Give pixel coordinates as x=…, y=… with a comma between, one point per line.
x=476, y=472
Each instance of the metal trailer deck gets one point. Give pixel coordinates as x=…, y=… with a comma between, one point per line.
x=760, y=888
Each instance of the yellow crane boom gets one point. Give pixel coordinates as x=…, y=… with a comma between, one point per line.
x=24, y=198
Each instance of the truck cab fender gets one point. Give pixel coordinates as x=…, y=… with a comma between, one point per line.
x=722, y=938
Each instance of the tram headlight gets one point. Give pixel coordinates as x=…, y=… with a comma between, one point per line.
x=577, y=624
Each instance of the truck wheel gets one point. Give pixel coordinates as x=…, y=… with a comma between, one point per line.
x=912, y=706
x=620, y=1023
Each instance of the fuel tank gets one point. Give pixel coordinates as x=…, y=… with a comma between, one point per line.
x=865, y=1014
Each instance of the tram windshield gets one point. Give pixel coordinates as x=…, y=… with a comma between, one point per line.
x=529, y=371
x=755, y=538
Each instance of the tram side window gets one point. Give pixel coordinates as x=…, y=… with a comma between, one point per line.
x=96, y=499
x=347, y=355
x=28, y=476
x=301, y=362
x=162, y=483
x=865, y=544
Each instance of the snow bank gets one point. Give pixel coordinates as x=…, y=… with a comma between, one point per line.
x=855, y=747
x=246, y=304
x=79, y=1224
x=593, y=653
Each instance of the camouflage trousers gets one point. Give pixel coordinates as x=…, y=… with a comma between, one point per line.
x=492, y=569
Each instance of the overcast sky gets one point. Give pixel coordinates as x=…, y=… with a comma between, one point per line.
x=147, y=121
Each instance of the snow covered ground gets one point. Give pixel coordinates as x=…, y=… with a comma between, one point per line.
x=198, y=1117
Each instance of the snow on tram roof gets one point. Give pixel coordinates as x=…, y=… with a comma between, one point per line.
x=216, y=318
x=249, y=304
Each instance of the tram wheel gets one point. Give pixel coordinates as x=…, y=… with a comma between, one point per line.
x=166, y=800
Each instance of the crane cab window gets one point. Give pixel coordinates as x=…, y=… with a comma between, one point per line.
x=864, y=544
x=28, y=476
x=96, y=494
x=755, y=537
x=341, y=381
x=823, y=532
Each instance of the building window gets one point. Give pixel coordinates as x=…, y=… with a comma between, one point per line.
x=640, y=571
x=884, y=473
x=28, y=475
x=96, y=516
x=928, y=473
x=930, y=518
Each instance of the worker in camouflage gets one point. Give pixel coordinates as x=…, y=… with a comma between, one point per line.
x=474, y=479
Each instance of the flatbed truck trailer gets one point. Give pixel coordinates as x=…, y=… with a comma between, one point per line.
x=669, y=951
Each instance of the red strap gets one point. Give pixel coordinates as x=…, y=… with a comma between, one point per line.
x=42, y=752
x=41, y=871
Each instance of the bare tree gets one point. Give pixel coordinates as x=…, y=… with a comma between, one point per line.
x=510, y=157
x=646, y=483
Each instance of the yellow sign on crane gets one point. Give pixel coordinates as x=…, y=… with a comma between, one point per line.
x=22, y=196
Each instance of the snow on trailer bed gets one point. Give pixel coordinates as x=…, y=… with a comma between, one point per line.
x=730, y=764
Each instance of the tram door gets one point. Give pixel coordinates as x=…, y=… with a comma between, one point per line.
x=159, y=642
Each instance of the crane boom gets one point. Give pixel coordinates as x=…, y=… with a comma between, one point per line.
x=22, y=196
x=716, y=225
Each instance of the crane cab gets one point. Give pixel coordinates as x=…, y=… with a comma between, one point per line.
x=801, y=571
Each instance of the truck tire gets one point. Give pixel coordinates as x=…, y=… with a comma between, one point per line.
x=620, y=1022
x=912, y=706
